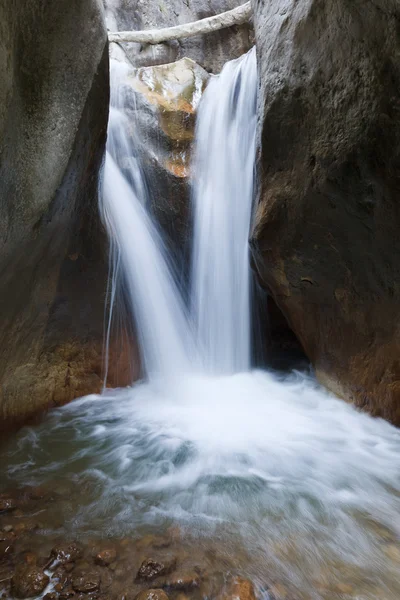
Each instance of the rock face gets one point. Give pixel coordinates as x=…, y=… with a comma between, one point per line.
x=210, y=51
x=53, y=119
x=163, y=118
x=165, y=132
x=325, y=237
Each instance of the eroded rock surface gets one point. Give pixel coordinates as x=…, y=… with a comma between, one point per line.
x=210, y=51
x=325, y=238
x=163, y=115
x=53, y=121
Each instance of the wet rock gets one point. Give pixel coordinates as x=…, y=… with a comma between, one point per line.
x=152, y=595
x=87, y=582
x=166, y=99
x=28, y=581
x=106, y=579
x=185, y=580
x=67, y=593
x=7, y=528
x=151, y=569
x=239, y=589
x=329, y=173
x=50, y=596
x=66, y=553
x=7, y=504
x=105, y=557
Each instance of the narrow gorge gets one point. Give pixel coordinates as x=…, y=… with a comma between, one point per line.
x=199, y=328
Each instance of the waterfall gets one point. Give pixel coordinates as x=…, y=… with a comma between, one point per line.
x=161, y=322
x=223, y=195
x=277, y=479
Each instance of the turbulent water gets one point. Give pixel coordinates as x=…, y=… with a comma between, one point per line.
x=270, y=469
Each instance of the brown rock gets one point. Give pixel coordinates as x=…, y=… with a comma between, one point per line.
x=151, y=569
x=87, y=582
x=325, y=236
x=183, y=580
x=240, y=589
x=28, y=581
x=67, y=593
x=106, y=557
x=152, y=595
x=66, y=553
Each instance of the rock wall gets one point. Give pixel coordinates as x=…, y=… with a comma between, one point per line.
x=166, y=152
x=325, y=239
x=210, y=51
x=53, y=117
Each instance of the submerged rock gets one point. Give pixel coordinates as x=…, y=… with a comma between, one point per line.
x=325, y=237
x=86, y=582
x=67, y=552
x=152, y=595
x=239, y=589
x=151, y=569
x=106, y=557
x=183, y=580
x=28, y=581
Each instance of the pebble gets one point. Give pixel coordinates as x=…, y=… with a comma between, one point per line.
x=106, y=557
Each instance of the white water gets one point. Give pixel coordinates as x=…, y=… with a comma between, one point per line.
x=161, y=323
x=223, y=198
x=256, y=459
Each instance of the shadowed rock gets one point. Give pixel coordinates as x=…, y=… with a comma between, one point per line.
x=325, y=237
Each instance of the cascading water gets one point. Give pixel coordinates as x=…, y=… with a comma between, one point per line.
x=282, y=480
x=156, y=304
x=223, y=198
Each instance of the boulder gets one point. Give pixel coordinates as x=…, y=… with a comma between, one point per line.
x=164, y=133
x=325, y=236
x=53, y=122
